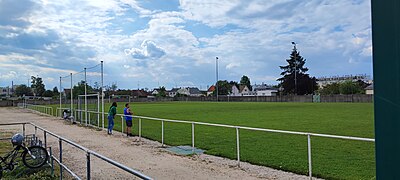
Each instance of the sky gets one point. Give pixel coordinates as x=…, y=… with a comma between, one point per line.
x=173, y=43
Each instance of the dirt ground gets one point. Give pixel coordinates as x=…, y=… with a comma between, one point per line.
x=145, y=156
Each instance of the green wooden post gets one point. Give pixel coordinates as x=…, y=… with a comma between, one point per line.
x=386, y=62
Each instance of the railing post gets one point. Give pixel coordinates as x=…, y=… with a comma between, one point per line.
x=162, y=133
x=309, y=155
x=51, y=161
x=140, y=129
x=88, y=114
x=238, y=146
x=122, y=124
x=193, y=138
x=45, y=138
x=35, y=131
x=87, y=165
x=23, y=129
x=60, y=147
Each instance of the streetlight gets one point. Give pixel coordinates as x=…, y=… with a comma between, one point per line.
x=216, y=72
x=295, y=68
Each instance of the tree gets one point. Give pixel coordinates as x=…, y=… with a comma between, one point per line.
x=162, y=92
x=224, y=88
x=295, y=67
x=245, y=81
x=48, y=93
x=113, y=87
x=37, y=85
x=349, y=87
x=80, y=90
x=330, y=89
x=23, y=90
x=55, y=91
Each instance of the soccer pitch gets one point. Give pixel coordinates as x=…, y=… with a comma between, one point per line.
x=332, y=158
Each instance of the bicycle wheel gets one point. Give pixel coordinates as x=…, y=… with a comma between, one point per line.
x=37, y=158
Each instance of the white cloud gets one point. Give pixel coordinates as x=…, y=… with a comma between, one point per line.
x=148, y=50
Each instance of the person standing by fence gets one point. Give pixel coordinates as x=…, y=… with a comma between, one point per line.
x=111, y=115
x=128, y=118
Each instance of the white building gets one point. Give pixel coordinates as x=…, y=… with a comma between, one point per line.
x=369, y=89
x=235, y=91
x=264, y=90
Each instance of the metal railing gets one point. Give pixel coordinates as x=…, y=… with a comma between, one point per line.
x=238, y=128
x=42, y=109
x=88, y=152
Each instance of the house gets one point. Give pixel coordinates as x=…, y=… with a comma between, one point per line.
x=155, y=91
x=172, y=92
x=194, y=91
x=235, y=91
x=369, y=89
x=210, y=90
x=190, y=91
x=264, y=90
x=139, y=93
x=245, y=91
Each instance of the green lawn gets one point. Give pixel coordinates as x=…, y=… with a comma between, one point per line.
x=332, y=158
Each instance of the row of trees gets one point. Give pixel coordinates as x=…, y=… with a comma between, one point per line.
x=37, y=88
x=347, y=87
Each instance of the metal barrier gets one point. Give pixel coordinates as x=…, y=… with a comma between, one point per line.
x=41, y=109
x=237, y=128
x=88, y=152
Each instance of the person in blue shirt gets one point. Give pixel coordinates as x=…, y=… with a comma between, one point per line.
x=128, y=119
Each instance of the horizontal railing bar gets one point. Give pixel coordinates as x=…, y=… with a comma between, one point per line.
x=248, y=128
x=66, y=168
x=11, y=124
x=137, y=173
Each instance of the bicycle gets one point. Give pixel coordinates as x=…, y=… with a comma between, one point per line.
x=33, y=157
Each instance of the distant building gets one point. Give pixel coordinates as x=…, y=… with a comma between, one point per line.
x=245, y=91
x=172, y=92
x=210, y=90
x=369, y=89
x=139, y=93
x=190, y=91
x=265, y=90
x=323, y=81
x=8, y=91
x=235, y=91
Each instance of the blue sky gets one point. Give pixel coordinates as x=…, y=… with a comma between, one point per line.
x=174, y=43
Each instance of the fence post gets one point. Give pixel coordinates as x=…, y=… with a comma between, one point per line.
x=51, y=161
x=35, y=131
x=122, y=124
x=88, y=114
x=45, y=139
x=193, y=138
x=140, y=129
x=23, y=129
x=309, y=155
x=88, y=165
x=238, y=146
x=162, y=133
x=60, y=147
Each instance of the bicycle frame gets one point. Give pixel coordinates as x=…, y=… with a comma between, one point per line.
x=11, y=156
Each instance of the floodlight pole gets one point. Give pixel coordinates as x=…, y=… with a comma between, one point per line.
x=216, y=72
x=295, y=68
x=102, y=93
x=72, y=100
x=86, y=115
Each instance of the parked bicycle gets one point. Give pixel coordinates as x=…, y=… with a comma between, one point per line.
x=32, y=157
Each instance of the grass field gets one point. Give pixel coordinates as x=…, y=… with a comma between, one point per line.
x=332, y=158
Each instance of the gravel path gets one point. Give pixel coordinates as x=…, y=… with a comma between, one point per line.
x=145, y=156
